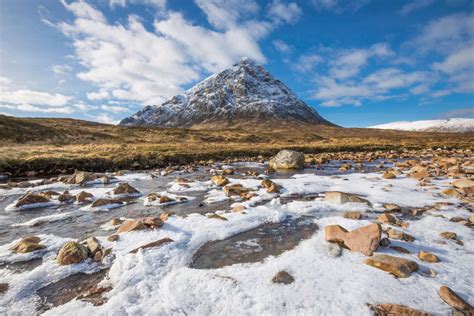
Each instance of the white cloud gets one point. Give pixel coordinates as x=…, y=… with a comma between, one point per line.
x=105, y=118
x=61, y=69
x=307, y=62
x=348, y=63
x=458, y=61
x=287, y=13
x=38, y=109
x=414, y=5
x=282, y=46
x=339, y=6
x=114, y=108
x=159, y=4
x=129, y=62
x=33, y=97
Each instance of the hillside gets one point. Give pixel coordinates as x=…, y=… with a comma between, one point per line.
x=58, y=145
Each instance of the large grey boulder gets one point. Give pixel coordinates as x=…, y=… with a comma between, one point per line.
x=287, y=159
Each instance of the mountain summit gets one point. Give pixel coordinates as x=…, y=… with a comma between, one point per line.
x=243, y=94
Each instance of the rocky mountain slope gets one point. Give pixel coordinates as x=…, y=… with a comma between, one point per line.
x=454, y=125
x=244, y=93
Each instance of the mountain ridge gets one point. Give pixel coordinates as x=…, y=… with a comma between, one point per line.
x=452, y=125
x=243, y=93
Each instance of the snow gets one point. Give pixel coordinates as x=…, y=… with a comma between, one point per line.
x=458, y=125
x=158, y=281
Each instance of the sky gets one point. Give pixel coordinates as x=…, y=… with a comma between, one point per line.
x=357, y=62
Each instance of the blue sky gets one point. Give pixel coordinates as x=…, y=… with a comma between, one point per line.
x=357, y=62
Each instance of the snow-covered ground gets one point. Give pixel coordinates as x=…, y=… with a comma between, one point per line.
x=159, y=281
x=454, y=125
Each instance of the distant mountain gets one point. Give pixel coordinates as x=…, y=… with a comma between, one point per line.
x=454, y=125
x=245, y=93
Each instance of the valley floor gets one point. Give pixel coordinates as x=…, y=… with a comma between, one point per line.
x=223, y=255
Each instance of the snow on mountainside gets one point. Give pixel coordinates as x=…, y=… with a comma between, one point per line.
x=245, y=92
x=454, y=125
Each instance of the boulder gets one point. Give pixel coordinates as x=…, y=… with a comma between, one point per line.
x=449, y=235
x=219, y=180
x=365, y=239
x=336, y=197
x=287, y=159
x=31, y=200
x=283, y=277
x=353, y=215
x=428, y=257
x=399, y=267
x=454, y=300
x=124, y=189
x=72, y=252
x=80, y=177
x=388, y=309
x=106, y=202
x=130, y=225
x=84, y=197
x=466, y=186
x=28, y=244
x=235, y=189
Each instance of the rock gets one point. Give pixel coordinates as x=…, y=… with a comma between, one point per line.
x=220, y=180
x=216, y=216
x=80, y=177
x=65, y=197
x=165, y=199
x=235, y=189
x=28, y=244
x=466, y=186
x=399, y=249
x=452, y=299
x=387, y=219
x=419, y=172
x=428, y=257
x=152, y=222
x=365, y=239
x=164, y=216
x=72, y=252
x=93, y=245
x=238, y=208
x=399, y=267
x=125, y=189
x=105, y=202
x=3, y=288
x=471, y=218
x=399, y=235
x=353, y=215
x=396, y=310
x=452, y=193
x=283, y=277
x=448, y=235
x=31, y=200
x=115, y=221
x=385, y=242
x=271, y=186
x=392, y=207
x=334, y=250
x=287, y=159
x=84, y=197
x=389, y=175
x=130, y=225
x=48, y=194
x=153, y=244
x=113, y=237
x=336, y=197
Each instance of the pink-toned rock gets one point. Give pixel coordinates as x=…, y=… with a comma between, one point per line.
x=365, y=239
x=130, y=225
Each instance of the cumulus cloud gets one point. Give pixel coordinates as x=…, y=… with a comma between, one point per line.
x=33, y=97
x=339, y=6
x=159, y=4
x=414, y=5
x=128, y=62
x=287, y=13
x=105, y=118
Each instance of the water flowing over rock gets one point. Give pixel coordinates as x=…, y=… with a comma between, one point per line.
x=245, y=92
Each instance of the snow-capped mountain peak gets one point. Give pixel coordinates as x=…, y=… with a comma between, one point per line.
x=453, y=125
x=244, y=92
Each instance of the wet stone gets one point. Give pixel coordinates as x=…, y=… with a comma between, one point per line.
x=65, y=290
x=283, y=277
x=270, y=239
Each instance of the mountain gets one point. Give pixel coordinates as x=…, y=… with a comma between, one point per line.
x=244, y=94
x=454, y=125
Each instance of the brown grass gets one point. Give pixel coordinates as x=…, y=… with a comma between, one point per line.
x=62, y=145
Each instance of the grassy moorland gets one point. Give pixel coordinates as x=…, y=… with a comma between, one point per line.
x=61, y=145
